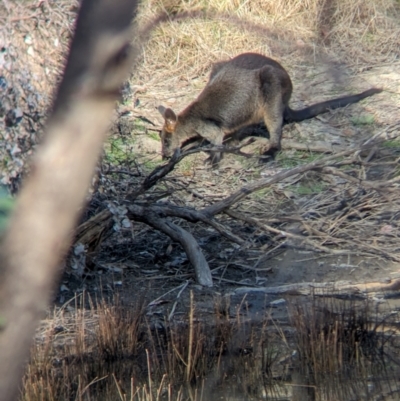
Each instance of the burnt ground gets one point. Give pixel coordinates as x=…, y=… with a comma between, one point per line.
x=343, y=231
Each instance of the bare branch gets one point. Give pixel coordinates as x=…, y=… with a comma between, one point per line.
x=308, y=147
x=186, y=213
x=49, y=202
x=218, y=207
x=329, y=289
x=370, y=184
x=286, y=234
x=136, y=212
x=178, y=234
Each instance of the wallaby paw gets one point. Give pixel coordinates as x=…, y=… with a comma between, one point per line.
x=264, y=159
x=269, y=154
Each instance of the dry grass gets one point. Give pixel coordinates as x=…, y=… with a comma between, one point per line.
x=107, y=352
x=326, y=214
x=294, y=31
x=346, y=343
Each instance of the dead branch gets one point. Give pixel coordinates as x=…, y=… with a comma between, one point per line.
x=185, y=213
x=188, y=242
x=92, y=229
x=48, y=205
x=370, y=184
x=88, y=231
x=308, y=147
x=154, y=215
x=93, y=226
x=328, y=289
x=286, y=234
x=197, y=147
x=160, y=172
x=235, y=150
x=388, y=133
x=156, y=175
x=219, y=207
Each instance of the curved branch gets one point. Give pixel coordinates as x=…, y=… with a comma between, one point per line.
x=188, y=242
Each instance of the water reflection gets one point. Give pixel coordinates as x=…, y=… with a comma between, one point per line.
x=325, y=350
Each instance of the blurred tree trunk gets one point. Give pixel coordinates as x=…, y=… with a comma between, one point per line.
x=48, y=205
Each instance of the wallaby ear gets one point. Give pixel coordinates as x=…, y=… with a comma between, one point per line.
x=161, y=109
x=216, y=67
x=169, y=117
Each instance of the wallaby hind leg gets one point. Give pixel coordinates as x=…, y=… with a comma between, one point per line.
x=276, y=89
x=273, y=119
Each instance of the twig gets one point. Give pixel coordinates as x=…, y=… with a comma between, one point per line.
x=287, y=144
x=218, y=207
x=160, y=172
x=190, y=339
x=285, y=234
x=370, y=184
x=155, y=301
x=264, y=257
x=176, y=301
x=387, y=133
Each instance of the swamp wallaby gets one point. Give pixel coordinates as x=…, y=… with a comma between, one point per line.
x=245, y=90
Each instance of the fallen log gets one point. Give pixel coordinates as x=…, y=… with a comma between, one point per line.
x=330, y=289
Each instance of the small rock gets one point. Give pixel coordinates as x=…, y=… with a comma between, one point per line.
x=3, y=83
x=278, y=302
x=13, y=117
x=64, y=288
x=28, y=39
x=126, y=223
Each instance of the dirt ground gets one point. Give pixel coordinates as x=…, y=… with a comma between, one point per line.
x=138, y=261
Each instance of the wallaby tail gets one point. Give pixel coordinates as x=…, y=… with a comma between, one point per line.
x=291, y=116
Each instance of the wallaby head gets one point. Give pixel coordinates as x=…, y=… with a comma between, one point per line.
x=247, y=89
x=169, y=139
x=179, y=129
x=203, y=119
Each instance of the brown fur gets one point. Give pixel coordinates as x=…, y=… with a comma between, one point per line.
x=245, y=90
